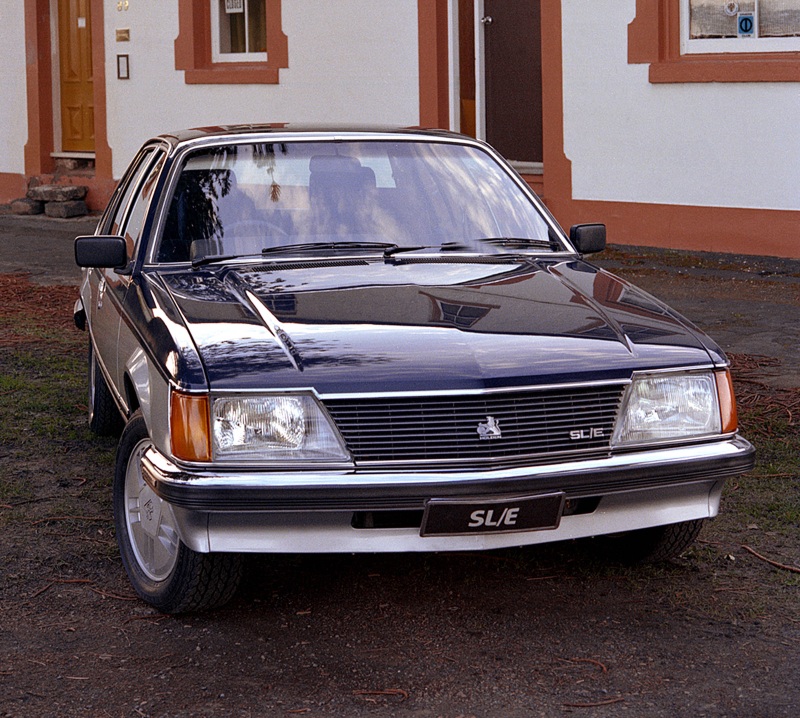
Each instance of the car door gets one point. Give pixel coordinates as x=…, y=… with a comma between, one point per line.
x=133, y=231
x=107, y=287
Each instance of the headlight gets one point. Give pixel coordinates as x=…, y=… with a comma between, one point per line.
x=273, y=428
x=667, y=407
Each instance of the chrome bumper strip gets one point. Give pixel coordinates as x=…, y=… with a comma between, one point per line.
x=211, y=490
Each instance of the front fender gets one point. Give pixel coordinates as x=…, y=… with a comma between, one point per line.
x=149, y=391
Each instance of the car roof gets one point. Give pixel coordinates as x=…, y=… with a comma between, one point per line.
x=223, y=132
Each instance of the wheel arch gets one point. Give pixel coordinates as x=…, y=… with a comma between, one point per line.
x=147, y=390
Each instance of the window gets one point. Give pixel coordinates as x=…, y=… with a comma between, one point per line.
x=700, y=40
x=134, y=177
x=136, y=217
x=238, y=30
x=711, y=26
x=230, y=42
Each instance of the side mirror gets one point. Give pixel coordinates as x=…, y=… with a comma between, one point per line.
x=588, y=238
x=104, y=250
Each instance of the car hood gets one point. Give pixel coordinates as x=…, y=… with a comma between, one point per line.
x=421, y=325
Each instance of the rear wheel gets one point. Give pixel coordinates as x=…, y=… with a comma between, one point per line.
x=104, y=417
x=163, y=570
x=651, y=545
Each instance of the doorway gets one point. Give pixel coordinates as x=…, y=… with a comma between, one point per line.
x=76, y=76
x=499, y=84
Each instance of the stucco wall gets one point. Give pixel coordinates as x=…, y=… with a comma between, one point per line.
x=350, y=61
x=706, y=144
x=13, y=107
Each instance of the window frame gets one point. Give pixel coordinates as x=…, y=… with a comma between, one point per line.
x=654, y=38
x=195, y=56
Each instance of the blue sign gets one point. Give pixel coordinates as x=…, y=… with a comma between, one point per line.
x=746, y=24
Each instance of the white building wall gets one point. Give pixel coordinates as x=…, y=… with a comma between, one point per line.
x=13, y=105
x=706, y=144
x=350, y=61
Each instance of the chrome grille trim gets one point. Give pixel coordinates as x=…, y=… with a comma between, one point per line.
x=442, y=429
x=479, y=392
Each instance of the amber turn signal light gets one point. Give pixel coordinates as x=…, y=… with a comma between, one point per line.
x=727, y=402
x=190, y=427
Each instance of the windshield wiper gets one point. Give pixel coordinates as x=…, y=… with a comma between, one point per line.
x=445, y=247
x=517, y=242
x=320, y=246
x=209, y=258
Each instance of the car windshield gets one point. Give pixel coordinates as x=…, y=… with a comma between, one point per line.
x=328, y=197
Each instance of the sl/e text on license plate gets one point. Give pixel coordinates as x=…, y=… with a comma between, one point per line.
x=462, y=517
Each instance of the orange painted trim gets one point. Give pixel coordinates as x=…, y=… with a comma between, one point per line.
x=434, y=92
x=100, y=191
x=762, y=232
x=644, y=33
x=103, y=167
x=193, y=49
x=535, y=182
x=706, y=229
x=557, y=179
x=233, y=73
x=654, y=38
x=12, y=186
x=39, y=81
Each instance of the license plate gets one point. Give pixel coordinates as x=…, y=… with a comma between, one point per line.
x=463, y=517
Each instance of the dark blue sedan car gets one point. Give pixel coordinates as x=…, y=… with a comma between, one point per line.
x=379, y=340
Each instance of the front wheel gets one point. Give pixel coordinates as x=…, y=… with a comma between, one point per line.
x=163, y=570
x=651, y=545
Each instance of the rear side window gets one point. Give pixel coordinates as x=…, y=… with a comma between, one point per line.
x=134, y=222
x=131, y=182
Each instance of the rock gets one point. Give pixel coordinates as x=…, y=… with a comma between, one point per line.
x=63, y=210
x=57, y=193
x=27, y=206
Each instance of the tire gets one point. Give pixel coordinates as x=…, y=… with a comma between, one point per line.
x=651, y=545
x=163, y=571
x=104, y=416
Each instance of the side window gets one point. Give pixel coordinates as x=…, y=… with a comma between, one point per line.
x=134, y=176
x=141, y=202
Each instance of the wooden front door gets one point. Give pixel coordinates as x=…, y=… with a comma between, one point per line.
x=513, y=78
x=75, y=63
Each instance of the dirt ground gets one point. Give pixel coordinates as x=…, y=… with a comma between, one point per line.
x=547, y=631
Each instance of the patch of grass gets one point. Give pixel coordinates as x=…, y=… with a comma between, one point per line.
x=43, y=395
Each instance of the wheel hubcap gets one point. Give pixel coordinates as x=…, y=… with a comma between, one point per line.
x=150, y=521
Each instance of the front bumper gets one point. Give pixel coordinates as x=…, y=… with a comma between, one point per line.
x=312, y=511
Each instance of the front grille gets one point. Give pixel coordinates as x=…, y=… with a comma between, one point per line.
x=445, y=429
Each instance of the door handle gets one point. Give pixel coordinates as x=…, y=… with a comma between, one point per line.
x=487, y=20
